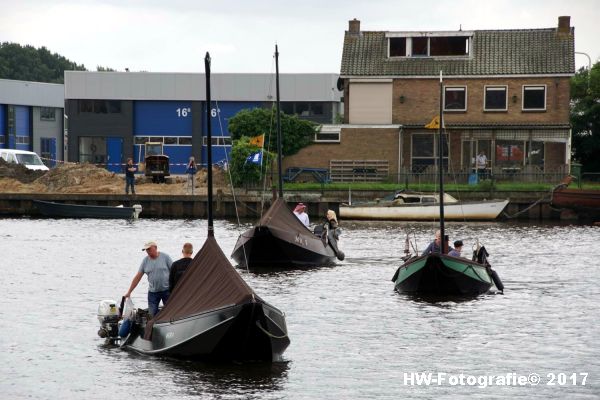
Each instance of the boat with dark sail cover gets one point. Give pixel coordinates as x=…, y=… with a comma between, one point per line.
x=63, y=210
x=279, y=240
x=211, y=314
x=439, y=273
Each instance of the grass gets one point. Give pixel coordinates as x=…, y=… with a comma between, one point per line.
x=484, y=186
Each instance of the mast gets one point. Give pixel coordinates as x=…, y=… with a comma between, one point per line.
x=443, y=246
x=279, y=146
x=211, y=230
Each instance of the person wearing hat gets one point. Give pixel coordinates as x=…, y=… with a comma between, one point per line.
x=455, y=252
x=179, y=266
x=157, y=266
x=300, y=213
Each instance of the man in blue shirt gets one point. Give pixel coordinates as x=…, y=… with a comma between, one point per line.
x=157, y=266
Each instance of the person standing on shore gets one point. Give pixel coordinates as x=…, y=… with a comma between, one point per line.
x=179, y=266
x=481, y=163
x=157, y=266
x=130, y=170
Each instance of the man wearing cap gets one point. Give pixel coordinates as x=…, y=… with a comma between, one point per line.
x=179, y=266
x=455, y=252
x=300, y=213
x=157, y=266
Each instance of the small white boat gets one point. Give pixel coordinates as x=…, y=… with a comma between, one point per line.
x=414, y=206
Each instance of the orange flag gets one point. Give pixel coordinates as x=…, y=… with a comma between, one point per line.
x=258, y=141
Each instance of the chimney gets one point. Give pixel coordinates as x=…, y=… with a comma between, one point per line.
x=354, y=26
x=564, y=25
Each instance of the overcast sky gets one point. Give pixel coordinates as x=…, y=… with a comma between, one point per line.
x=174, y=35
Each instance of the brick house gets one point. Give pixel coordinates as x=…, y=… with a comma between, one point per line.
x=506, y=92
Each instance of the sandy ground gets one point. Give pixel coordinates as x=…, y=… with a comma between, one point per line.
x=87, y=178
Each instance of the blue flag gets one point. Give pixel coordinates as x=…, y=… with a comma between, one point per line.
x=255, y=158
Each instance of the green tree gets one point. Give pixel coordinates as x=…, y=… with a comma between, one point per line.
x=585, y=117
x=296, y=133
x=30, y=64
x=243, y=172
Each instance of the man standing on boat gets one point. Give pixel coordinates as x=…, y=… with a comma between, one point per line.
x=179, y=266
x=157, y=266
x=435, y=246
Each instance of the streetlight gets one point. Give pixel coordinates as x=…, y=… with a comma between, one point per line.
x=589, y=68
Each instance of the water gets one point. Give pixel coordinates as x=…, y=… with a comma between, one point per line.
x=352, y=336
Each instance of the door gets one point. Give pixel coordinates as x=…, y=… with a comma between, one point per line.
x=48, y=151
x=114, y=153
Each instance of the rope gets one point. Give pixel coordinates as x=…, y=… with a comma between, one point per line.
x=549, y=199
x=269, y=333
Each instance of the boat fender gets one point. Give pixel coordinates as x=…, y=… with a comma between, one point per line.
x=340, y=255
x=497, y=281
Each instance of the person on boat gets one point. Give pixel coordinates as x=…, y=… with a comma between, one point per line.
x=300, y=213
x=130, y=176
x=435, y=246
x=332, y=222
x=179, y=266
x=481, y=164
x=455, y=252
x=157, y=266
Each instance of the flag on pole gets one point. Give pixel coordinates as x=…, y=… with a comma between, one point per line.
x=258, y=141
x=434, y=124
x=254, y=158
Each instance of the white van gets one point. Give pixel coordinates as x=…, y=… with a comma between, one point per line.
x=27, y=158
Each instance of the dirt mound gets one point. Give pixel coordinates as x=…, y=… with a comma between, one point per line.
x=81, y=178
x=18, y=172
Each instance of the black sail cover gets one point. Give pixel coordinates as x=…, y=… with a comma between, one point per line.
x=209, y=282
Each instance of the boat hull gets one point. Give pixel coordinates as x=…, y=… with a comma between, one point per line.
x=436, y=274
x=269, y=248
x=585, y=202
x=252, y=331
x=485, y=210
x=59, y=210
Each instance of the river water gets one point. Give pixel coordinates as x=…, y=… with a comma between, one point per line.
x=352, y=336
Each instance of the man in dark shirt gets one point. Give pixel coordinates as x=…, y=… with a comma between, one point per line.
x=130, y=176
x=179, y=266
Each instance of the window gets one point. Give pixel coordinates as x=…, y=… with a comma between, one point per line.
x=140, y=139
x=424, y=151
x=218, y=141
x=86, y=106
x=420, y=46
x=534, y=98
x=22, y=139
x=47, y=114
x=287, y=107
x=495, y=98
x=316, y=108
x=398, y=47
x=100, y=106
x=535, y=152
x=455, y=98
x=185, y=141
x=328, y=134
x=170, y=140
x=510, y=153
x=449, y=46
x=158, y=139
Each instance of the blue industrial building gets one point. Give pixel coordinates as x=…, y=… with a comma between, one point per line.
x=31, y=118
x=112, y=114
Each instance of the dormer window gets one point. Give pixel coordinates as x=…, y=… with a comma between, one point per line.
x=450, y=44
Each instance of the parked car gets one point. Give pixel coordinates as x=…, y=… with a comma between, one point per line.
x=27, y=158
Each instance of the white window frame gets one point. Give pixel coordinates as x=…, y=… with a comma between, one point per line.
x=466, y=98
x=495, y=87
x=328, y=131
x=161, y=140
x=525, y=87
x=220, y=141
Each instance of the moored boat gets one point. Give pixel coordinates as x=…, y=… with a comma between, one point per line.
x=584, y=202
x=415, y=206
x=62, y=210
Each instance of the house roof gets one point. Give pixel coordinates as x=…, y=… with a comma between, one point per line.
x=494, y=52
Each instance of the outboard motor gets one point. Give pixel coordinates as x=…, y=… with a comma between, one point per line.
x=108, y=316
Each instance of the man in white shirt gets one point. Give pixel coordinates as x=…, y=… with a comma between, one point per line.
x=300, y=213
x=481, y=163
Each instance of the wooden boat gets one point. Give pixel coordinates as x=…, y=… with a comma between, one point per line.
x=441, y=274
x=415, y=206
x=61, y=210
x=585, y=202
x=212, y=314
x=279, y=240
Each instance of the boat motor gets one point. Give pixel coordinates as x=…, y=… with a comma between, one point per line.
x=108, y=316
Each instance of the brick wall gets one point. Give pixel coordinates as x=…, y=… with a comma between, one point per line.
x=355, y=144
x=421, y=101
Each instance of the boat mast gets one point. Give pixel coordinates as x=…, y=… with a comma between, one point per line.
x=279, y=146
x=211, y=230
x=441, y=166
